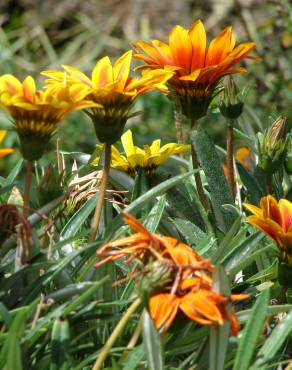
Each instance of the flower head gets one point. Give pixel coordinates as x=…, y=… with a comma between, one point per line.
x=5, y=151
x=36, y=113
x=111, y=86
x=174, y=276
x=149, y=158
x=274, y=219
x=197, y=68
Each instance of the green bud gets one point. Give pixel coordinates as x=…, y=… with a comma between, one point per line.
x=231, y=104
x=158, y=276
x=288, y=157
x=50, y=186
x=272, y=146
x=32, y=147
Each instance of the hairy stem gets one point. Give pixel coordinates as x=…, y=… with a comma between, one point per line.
x=101, y=193
x=115, y=334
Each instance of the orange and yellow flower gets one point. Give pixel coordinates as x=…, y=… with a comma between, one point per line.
x=197, y=68
x=274, y=219
x=113, y=88
x=5, y=151
x=181, y=280
x=36, y=113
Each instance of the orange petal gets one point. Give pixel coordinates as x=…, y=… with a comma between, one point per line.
x=163, y=309
x=121, y=69
x=201, y=303
x=220, y=47
x=5, y=151
x=268, y=226
x=286, y=211
x=198, y=39
x=181, y=47
x=271, y=209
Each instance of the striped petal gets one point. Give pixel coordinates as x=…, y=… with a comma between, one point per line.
x=102, y=73
x=181, y=47
x=198, y=39
x=220, y=47
x=286, y=212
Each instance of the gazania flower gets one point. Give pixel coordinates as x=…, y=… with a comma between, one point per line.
x=197, y=68
x=5, y=151
x=274, y=219
x=37, y=113
x=174, y=276
x=245, y=157
x=113, y=88
x=149, y=158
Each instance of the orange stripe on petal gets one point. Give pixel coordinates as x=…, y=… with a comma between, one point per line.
x=102, y=73
x=268, y=226
x=181, y=47
x=271, y=209
x=198, y=39
x=253, y=209
x=220, y=47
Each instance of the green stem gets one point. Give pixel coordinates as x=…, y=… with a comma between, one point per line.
x=101, y=194
x=230, y=165
x=115, y=334
x=27, y=189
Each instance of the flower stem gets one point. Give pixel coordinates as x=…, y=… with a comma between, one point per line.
x=101, y=193
x=115, y=334
x=230, y=164
x=27, y=189
x=178, y=128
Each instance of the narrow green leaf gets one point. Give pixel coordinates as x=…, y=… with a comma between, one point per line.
x=274, y=342
x=254, y=190
x=191, y=233
x=271, y=310
x=151, y=340
x=219, y=336
x=60, y=345
x=139, y=202
x=155, y=215
x=134, y=358
x=219, y=190
x=251, y=332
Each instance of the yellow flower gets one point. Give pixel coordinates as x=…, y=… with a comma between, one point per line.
x=113, y=88
x=5, y=151
x=150, y=157
x=36, y=113
x=274, y=219
x=197, y=68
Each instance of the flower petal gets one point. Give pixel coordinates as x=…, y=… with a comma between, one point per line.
x=286, y=212
x=220, y=47
x=163, y=309
x=181, y=47
x=198, y=39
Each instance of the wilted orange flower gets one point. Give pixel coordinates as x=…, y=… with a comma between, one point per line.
x=113, y=88
x=198, y=68
x=182, y=284
x=36, y=113
x=144, y=245
x=274, y=219
x=5, y=151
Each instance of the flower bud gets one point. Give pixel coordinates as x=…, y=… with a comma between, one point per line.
x=272, y=146
x=288, y=156
x=231, y=104
x=50, y=186
x=158, y=275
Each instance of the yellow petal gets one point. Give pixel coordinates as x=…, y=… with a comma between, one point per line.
x=128, y=144
x=102, y=73
x=10, y=84
x=121, y=69
x=2, y=135
x=4, y=152
x=78, y=74
x=198, y=39
x=286, y=211
x=29, y=89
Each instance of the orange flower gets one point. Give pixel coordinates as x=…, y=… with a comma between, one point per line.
x=198, y=68
x=196, y=300
x=244, y=156
x=274, y=219
x=177, y=280
x=5, y=151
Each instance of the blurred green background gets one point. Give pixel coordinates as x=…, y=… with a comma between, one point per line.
x=37, y=35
